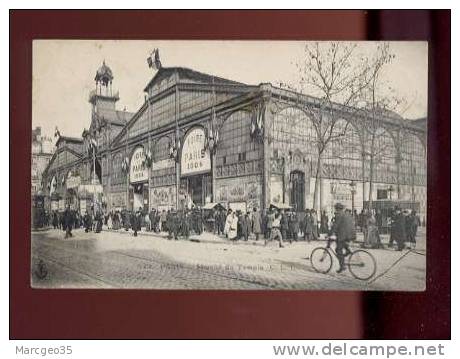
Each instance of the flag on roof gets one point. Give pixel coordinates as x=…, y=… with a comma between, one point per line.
x=154, y=60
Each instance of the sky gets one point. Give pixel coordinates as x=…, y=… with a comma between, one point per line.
x=63, y=72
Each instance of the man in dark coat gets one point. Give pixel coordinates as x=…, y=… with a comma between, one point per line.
x=168, y=224
x=99, y=218
x=176, y=225
x=187, y=221
x=55, y=220
x=293, y=227
x=68, y=221
x=284, y=225
x=256, y=223
x=244, y=226
x=345, y=232
x=216, y=217
x=127, y=220
x=314, y=224
x=398, y=229
x=164, y=221
x=239, y=224
x=269, y=218
x=307, y=226
x=87, y=222
x=197, y=221
x=62, y=221
x=412, y=223
x=324, y=225
x=136, y=221
x=152, y=220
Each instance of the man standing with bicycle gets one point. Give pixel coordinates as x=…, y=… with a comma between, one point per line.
x=344, y=230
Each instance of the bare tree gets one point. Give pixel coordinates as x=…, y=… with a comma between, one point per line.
x=379, y=101
x=335, y=74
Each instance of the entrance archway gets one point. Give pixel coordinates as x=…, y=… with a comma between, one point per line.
x=139, y=197
x=138, y=178
x=297, y=179
x=195, y=168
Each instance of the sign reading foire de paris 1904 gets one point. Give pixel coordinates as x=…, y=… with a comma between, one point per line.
x=195, y=158
x=137, y=170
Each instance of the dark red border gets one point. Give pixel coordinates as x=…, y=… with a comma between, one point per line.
x=113, y=314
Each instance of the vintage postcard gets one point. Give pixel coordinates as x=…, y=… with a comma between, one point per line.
x=229, y=165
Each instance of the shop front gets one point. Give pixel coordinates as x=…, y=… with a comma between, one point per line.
x=71, y=197
x=195, y=164
x=90, y=196
x=138, y=180
x=240, y=193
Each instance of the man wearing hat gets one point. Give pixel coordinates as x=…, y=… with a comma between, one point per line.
x=344, y=230
x=398, y=229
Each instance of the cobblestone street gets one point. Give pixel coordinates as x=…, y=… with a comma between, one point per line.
x=120, y=260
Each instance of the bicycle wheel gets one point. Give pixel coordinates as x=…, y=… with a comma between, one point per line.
x=362, y=264
x=321, y=260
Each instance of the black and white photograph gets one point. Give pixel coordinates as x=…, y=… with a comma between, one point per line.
x=229, y=165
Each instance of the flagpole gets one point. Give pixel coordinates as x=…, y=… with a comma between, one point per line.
x=176, y=115
x=94, y=180
x=213, y=151
x=127, y=168
x=149, y=153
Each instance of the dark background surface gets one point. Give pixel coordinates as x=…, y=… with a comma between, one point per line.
x=114, y=314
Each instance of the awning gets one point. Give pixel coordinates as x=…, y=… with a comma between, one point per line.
x=280, y=206
x=212, y=205
x=90, y=188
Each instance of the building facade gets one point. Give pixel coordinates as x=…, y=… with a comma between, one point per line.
x=199, y=138
x=42, y=151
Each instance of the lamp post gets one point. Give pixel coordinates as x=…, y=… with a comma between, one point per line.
x=390, y=191
x=353, y=192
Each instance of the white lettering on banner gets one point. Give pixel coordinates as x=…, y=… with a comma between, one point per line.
x=195, y=158
x=82, y=206
x=137, y=170
x=167, y=163
x=73, y=181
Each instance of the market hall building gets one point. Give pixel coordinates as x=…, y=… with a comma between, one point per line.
x=201, y=139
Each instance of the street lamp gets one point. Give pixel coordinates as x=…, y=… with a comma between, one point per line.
x=390, y=190
x=353, y=192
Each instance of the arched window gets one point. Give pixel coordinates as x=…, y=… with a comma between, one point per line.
x=235, y=142
x=116, y=173
x=161, y=149
x=380, y=145
x=413, y=160
x=293, y=131
x=344, y=151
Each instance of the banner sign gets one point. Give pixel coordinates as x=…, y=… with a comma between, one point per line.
x=167, y=163
x=119, y=199
x=73, y=181
x=53, y=185
x=240, y=190
x=90, y=188
x=82, y=207
x=195, y=159
x=138, y=172
x=163, y=197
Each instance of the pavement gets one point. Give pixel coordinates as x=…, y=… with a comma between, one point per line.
x=117, y=259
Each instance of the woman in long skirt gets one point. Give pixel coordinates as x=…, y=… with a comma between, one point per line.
x=109, y=221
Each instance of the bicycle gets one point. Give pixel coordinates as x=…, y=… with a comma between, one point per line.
x=361, y=263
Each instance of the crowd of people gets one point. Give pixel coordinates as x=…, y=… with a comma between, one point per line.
x=281, y=225
x=274, y=224
x=176, y=223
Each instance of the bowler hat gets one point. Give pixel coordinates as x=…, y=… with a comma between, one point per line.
x=339, y=206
